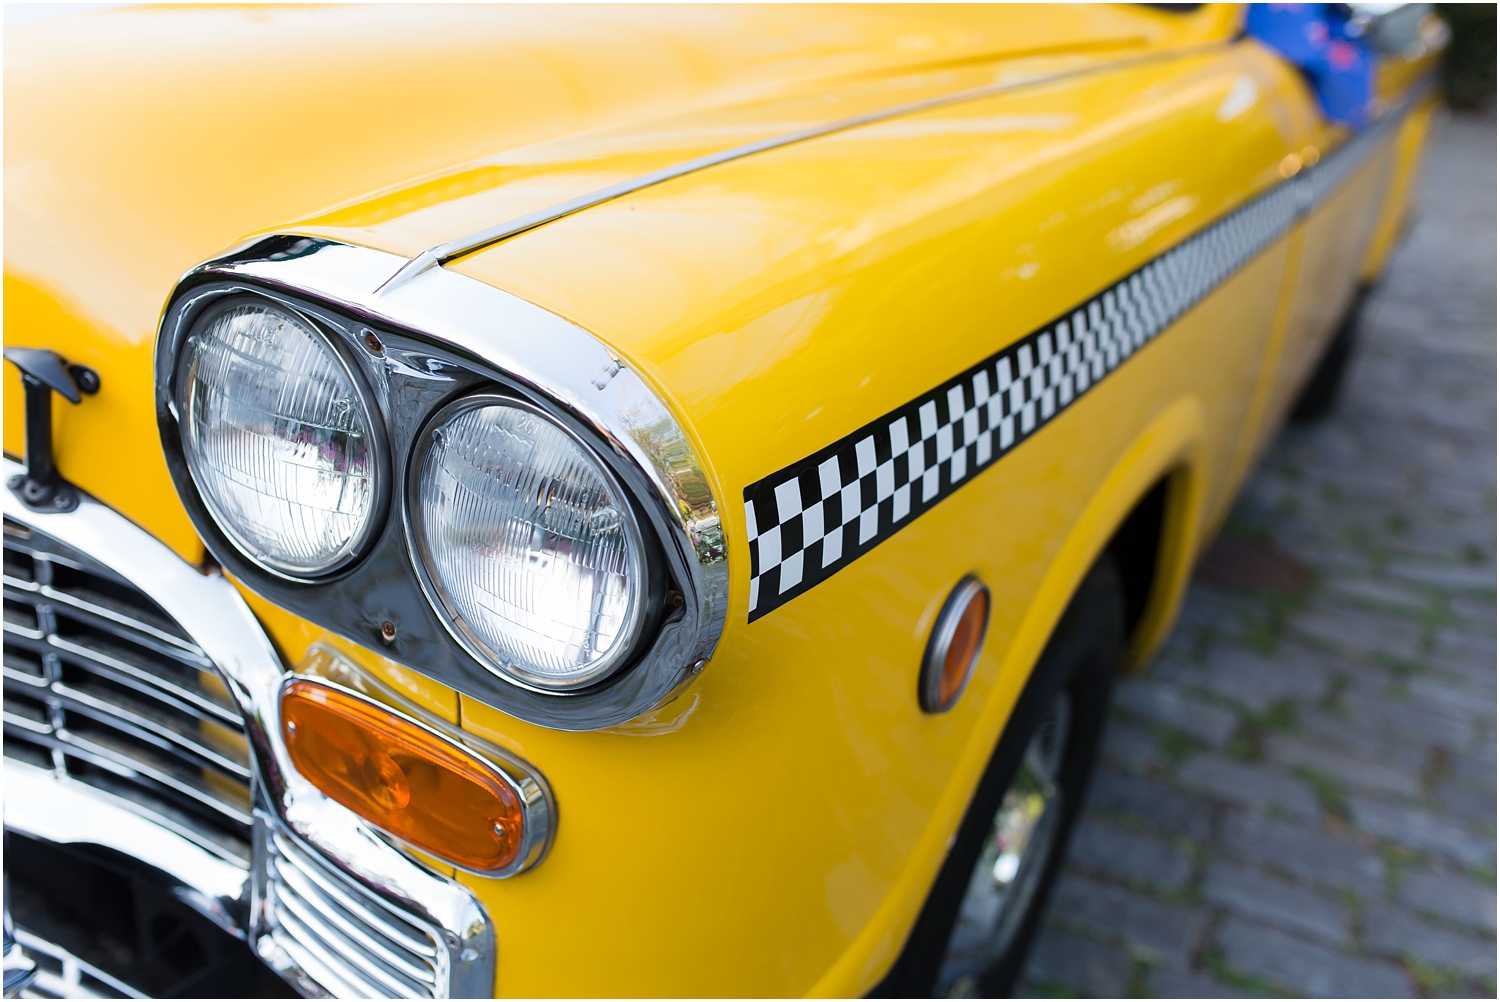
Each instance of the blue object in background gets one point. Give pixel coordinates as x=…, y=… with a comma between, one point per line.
x=1316, y=37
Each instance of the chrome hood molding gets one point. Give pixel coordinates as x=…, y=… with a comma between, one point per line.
x=458, y=247
x=439, y=334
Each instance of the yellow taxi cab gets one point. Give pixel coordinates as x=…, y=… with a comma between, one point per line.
x=516, y=501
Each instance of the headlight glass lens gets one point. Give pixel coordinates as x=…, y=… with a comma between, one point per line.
x=530, y=544
x=277, y=437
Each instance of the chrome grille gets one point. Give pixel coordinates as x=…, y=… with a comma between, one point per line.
x=353, y=942
x=103, y=686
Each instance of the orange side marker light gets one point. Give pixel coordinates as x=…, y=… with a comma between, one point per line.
x=953, y=648
x=401, y=777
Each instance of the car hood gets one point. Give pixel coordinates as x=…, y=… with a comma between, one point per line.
x=142, y=141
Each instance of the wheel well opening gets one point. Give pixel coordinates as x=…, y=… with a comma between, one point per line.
x=1136, y=549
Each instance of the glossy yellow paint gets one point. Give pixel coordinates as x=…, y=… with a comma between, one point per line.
x=294, y=636
x=774, y=830
x=833, y=281
x=142, y=141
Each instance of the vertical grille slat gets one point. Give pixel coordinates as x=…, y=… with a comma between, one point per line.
x=104, y=687
x=343, y=922
x=323, y=964
x=348, y=928
x=409, y=940
x=293, y=911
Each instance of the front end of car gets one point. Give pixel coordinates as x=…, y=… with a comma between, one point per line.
x=134, y=732
x=466, y=483
x=369, y=606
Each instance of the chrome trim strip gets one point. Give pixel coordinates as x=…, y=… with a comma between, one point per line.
x=45, y=806
x=100, y=754
x=322, y=963
x=453, y=249
x=312, y=921
x=25, y=631
x=317, y=870
x=195, y=703
x=143, y=727
x=307, y=930
x=48, y=592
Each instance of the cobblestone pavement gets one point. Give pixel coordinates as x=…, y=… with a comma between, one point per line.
x=1298, y=797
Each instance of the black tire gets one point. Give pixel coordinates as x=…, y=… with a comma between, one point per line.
x=1080, y=660
x=1321, y=393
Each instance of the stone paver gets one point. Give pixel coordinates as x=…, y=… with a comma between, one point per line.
x=1250, y=784
x=1401, y=934
x=1417, y=828
x=1130, y=857
x=1167, y=706
x=1150, y=803
x=1291, y=963
x=1305, y=852
x=1256, y=895
x=1075, y=964
x=1299, y=795
x=1354, y=770
x=1188, y=985
x=1164, y=933
x=1450, y=897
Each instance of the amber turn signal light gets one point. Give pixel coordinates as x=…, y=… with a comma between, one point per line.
x=953, y=648
x=401, y=777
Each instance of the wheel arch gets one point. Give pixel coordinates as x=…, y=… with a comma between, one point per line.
x=1167, y=458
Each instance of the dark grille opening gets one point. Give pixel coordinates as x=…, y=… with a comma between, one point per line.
x=23, y=704
x=165, y=811
x=143, y=714
x=22, y=750
x=90, y=905
x=20, y=615
x=24, y=663
x=89, y=629
x=180, y=726
x=19, y=566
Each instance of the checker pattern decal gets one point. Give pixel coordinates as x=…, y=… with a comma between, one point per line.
x=813, y=518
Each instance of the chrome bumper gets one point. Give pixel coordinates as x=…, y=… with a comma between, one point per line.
x=326, y=901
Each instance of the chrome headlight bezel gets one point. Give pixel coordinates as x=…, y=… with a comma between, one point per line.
x=380, y=450
x=437, y=338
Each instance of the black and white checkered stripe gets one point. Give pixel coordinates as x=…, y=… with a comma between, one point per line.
x=816, y=516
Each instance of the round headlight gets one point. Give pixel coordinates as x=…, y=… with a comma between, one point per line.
x=528, y=543
x=279, y=440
